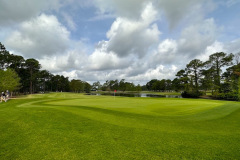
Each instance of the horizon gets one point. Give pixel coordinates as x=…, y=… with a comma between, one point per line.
x=107, y=40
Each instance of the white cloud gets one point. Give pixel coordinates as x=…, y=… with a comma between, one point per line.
x=168, y=46
x=136, y=68
x=166, y=52
x=195, y=38
x=38, y=37
x=133, y=37
x=214, y=48
x=100, y=60
x=71, y=74
x=158, y=72
x=75, y=59
x=233, y=46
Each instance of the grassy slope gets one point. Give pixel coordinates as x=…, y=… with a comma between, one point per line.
x=74, y=126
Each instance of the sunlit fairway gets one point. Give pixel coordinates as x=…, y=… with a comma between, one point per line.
x=76, y=126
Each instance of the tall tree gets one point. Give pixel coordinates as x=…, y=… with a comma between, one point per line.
x=207, y=80
x=216, y=62
x=149, y=84
x=44, y=77
x=183, y=79
x=168, y=84
x=194, y=70
x=33, y=66
x=16, y=62
x=176, y=84
x=122, y=85
x=162, y=85
x=156, y=85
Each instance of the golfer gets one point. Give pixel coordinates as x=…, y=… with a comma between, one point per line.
x=3, y=97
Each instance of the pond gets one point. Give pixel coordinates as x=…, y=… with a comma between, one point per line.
x=136, y=95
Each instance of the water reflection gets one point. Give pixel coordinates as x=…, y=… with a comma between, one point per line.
x=136, y=95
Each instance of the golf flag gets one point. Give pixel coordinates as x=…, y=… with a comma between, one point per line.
x=115, y=91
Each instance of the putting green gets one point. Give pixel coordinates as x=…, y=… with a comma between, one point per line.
x=76, y=126
x=160, y=106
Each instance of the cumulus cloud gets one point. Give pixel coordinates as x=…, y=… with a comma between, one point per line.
x=136, y=68
x=40, y=36
x=213, y=48
x=166, y=53
x=158, y=72
x=133, y=36
x=230, y=47
x=195, y=38
x=68, y=61
x=72, y=59
x=99, y=60
x=168, y=46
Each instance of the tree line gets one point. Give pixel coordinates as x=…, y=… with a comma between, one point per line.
x=26, y=76
x=200, y=77
x=112, y=85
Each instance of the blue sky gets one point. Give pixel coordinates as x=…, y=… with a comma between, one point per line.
x=136, y=40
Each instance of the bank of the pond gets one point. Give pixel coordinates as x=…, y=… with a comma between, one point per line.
x=135, y=95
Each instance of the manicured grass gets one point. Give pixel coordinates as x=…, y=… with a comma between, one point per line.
x=76, y=126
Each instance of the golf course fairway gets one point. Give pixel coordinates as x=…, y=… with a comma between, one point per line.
x=71, y=126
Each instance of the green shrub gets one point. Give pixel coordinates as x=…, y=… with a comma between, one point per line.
x=192, y=94
x=231, y=96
